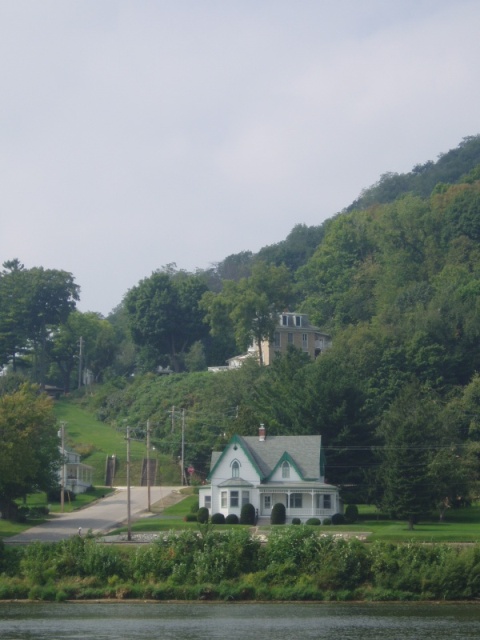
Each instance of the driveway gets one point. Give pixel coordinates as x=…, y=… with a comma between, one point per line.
x=102, y=516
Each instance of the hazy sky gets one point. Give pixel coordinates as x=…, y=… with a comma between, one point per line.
x=136, y=133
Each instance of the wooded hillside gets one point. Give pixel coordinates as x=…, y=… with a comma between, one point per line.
x=395, y=280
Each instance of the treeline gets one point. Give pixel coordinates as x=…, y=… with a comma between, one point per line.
x=294, y=564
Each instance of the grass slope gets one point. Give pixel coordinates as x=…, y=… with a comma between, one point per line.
x=95, y=440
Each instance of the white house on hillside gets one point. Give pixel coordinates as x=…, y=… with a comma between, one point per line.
x=265, y=470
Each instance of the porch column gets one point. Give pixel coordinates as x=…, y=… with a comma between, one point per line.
x=313, y=506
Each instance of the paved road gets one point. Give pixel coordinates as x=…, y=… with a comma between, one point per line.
x=102, y=516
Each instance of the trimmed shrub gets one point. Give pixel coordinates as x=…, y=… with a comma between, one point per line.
x=313, y=521
x=327, y=521
x=54, y=495
x=351, y=513
x=247, y=514
x=338, y=518
x=190, y=517
x=296, y=521
x=279, y=514
x=217, y=518
x=202, y=515
x=231, y=519
x=195, y=507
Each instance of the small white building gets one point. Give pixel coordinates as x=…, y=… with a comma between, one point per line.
x=264, y=471
x=77, y=476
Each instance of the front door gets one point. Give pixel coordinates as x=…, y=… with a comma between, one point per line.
x=267, y=504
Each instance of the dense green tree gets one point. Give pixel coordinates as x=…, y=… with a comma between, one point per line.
x=296, y=249
x=164, y=316
x=409, y=431
x=251, y=305
x=98, y=346
x=13, y=312
x=28, y=446
x=33, y=303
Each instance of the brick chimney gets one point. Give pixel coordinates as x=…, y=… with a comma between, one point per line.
x=262, y=434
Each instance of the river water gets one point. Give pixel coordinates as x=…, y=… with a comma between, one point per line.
x=133, y=621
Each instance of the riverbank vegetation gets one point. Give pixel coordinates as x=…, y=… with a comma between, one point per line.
x=296, y=563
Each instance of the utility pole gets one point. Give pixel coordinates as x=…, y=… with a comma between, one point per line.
x=62, y=489
x=80, y=362
x=129, y=520
x=148, y=465
x=183, y=447
x=173, y=418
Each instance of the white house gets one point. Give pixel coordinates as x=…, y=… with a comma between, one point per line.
x=77, y=476
x=265, y=470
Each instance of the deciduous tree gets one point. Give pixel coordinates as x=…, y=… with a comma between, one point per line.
x=29, y=450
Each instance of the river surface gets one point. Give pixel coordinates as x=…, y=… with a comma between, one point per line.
x=133, y=621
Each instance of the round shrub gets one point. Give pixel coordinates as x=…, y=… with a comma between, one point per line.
x=202, y=515
x=313, y=521
x=296, y=521
x=338, y=518
x=247, y=514
x=232, y=518
x=327, y=521
x=217, y=518
x=351, y=513
x=279, y=514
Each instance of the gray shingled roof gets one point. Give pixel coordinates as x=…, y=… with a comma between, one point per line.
x=304, y=450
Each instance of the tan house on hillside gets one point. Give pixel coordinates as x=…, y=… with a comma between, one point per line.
x=293, y=329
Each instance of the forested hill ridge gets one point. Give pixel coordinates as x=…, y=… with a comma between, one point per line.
x=454, y=166
x=397, y=397
x=450, y=168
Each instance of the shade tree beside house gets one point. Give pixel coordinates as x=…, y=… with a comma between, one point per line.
x=264, y=471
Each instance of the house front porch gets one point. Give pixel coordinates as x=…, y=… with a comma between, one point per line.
x=301, y=502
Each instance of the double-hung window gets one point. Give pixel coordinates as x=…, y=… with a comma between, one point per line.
x=234, y=498
x=223, y=499
x=295, y=500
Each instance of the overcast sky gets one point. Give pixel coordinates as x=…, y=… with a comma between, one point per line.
x=136, y=133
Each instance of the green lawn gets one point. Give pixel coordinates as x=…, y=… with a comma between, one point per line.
x=462, y=525
x=96, y=440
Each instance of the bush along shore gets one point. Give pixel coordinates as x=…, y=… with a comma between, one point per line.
x=295, y=564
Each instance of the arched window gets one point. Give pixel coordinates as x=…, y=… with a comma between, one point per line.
x=285, y=470
x=235, y=469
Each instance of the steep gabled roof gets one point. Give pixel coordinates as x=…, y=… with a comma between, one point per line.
x=303, y=452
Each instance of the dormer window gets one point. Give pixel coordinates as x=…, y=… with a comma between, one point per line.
x=298, y=321
x=285, y=470
x=285, y=321
x=235, y=469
